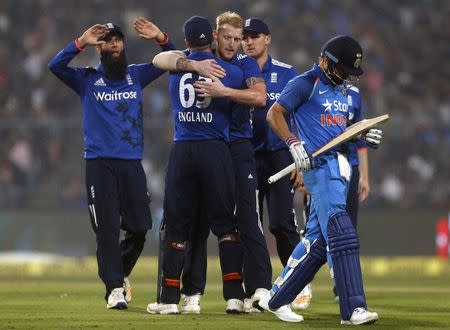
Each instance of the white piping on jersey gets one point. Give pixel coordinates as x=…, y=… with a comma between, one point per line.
x=278, y=63
x=355, y=89
x=314, y=88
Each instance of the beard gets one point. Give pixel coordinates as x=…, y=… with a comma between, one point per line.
x=115, y=68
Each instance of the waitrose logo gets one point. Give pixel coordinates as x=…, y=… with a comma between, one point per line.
x=114, y=96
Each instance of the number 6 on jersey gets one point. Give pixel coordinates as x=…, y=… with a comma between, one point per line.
x=201, y=102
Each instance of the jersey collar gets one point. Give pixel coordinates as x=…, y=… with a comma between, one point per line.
x=319, y=73
x=268, y=65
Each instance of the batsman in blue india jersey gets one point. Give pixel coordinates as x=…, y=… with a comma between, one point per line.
x=318, y=101
x=358, y=188
x=111, y=97
x=271, y=153
x=200, y=172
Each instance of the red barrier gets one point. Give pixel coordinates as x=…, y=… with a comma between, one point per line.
x=442, y=247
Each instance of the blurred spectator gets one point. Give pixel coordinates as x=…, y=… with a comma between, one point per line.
x=404, y=44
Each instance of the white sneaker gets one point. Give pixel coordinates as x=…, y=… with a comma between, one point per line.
x=234, y=306
x=257, y=296
x=191, y=304
x=248, y=306
x=285, y=313
x=163, y=309
x=116, y=299
x=264, y=301
x=127, y=289
x=303, y=299
x=361, y=316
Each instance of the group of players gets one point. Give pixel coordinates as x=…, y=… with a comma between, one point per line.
x=238, y=119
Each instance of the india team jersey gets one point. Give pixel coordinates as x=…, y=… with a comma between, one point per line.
x=112, y=110
x=320, y=109
x=276, y=74
x=240, y=118
x=198, y=118
x=355, y=115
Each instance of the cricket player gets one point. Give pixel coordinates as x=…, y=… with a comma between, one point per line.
x=272, y=154
x=200, y=172
x=256, y=259
x=111, y=97
x=358, y=188
x=318, y=101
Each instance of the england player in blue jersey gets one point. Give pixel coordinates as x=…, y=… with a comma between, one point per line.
x=319, y=105
x=200, y=172
x=271, y=152
x=111, y=97
x=256, y=260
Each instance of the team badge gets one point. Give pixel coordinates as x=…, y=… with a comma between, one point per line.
x=273, y=77
x=358, y=60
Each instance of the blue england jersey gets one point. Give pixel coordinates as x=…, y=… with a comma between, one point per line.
x=112, y=110
x=355, y=115
x=198, y=118
x=276, y=75
x=320, y=109
x=241, y=127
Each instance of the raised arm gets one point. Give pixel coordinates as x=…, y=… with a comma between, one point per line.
x=148, y=30
x=59, y=64
x=177, y=61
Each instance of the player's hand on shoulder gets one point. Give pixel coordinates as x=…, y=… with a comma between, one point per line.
x=146, y=29
x=299, y=154
x=210, y=87
x=90, y=36
x=373, y=137
x=210, y=68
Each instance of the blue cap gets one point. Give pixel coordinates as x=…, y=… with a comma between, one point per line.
x=255, y=25
x=112, y=30
x=198, y=31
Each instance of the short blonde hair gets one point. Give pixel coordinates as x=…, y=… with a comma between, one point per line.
x=230, y=17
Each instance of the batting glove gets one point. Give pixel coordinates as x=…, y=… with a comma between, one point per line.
x=372, y=137
x=299, y=154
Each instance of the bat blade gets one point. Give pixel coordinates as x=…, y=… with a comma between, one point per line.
x=351, y=132
x=348, y=134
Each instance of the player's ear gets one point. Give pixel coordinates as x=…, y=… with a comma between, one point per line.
x=268, y=40
x=215, y=34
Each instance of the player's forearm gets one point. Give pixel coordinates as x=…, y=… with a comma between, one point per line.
x=60, y=62
x=363, y=164
x=277, y=121
x=168, y=60
x=250, y=96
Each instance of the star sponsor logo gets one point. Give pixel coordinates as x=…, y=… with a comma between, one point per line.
x=327, y=105
x=336, y=105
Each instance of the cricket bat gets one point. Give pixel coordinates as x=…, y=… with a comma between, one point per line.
x=348, y=134
x=162, y=236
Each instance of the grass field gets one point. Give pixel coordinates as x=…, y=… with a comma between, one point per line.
x=408, y=293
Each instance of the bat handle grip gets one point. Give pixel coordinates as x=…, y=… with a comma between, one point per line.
x=285, y=171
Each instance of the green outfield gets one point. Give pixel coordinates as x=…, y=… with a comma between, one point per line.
x=407, y=293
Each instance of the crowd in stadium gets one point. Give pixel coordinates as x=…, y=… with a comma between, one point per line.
x=41, y=144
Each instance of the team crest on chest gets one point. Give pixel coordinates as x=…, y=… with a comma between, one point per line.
x=129, y=80
x=273, y=77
